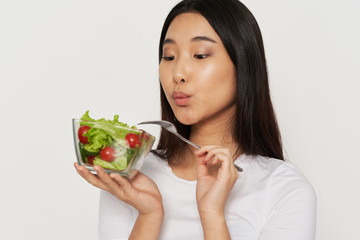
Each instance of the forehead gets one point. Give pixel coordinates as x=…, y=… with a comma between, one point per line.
x=190, y=25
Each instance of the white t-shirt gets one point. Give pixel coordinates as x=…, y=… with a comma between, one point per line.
x=271, y=200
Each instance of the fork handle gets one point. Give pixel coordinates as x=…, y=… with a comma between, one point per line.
x=188, y=141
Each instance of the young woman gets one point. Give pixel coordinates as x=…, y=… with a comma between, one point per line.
x=214, y=88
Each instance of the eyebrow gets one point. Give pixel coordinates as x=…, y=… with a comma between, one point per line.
x=194, y=39
x=202, y=38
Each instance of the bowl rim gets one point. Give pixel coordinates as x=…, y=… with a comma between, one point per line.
x=127, y=128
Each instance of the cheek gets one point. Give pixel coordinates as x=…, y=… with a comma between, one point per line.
x=166, y=88
x=205, y=73
x=218, y=79
x=165, y=79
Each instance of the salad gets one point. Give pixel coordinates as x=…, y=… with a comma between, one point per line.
x=109, y=143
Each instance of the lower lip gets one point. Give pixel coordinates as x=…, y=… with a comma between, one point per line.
x=181, y=101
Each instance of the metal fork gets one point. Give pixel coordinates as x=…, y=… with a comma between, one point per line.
x=171, y=128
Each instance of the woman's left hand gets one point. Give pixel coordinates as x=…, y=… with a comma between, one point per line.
x=213, y=188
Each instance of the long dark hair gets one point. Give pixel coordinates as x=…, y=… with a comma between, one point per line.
x=255, y=127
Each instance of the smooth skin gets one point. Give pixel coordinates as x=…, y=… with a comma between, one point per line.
x=195, y=63
x=141, y=192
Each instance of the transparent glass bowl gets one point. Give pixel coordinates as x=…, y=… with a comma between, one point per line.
x=119, y=156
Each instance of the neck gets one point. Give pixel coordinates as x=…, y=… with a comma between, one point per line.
x=212, y=133
x=216, y=131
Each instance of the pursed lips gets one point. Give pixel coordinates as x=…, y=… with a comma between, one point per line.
x=180, y=98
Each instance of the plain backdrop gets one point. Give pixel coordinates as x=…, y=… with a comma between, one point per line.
x=61, y=58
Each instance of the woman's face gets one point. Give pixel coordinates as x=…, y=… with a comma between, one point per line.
x=196, y=73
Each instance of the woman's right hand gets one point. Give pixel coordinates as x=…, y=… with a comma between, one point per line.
x=140, y=192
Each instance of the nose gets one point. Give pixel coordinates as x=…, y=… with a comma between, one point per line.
x=180, y=72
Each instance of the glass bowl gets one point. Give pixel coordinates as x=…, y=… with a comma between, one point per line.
x=115, y=148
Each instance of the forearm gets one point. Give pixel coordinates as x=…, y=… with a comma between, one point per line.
x=214, y=226
x=147, y=226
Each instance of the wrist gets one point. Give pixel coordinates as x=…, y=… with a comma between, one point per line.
x=147, y=226
x=211, y=216
x=214, y=226
x=154, y=215
x=209, y=212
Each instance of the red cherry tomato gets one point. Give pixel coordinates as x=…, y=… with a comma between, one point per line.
x=107, y=154
x=132, y=140
x=82, y=130
x=90, y=160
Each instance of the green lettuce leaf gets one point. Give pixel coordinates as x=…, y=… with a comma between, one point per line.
x=120, y=163
x=104, y=164
x=130, y=154
x=104, y=133
x=114, y=128
x=98, y=139
x=86, y=119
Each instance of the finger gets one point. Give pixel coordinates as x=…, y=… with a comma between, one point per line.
x=89, y=177
x=208, y=151
x=202, y=168
x=105, y=177
x=236, y=172
x=209, y=156
x=219, y=149
x=215, y=160
x=122, y=181
x=204, y=149
x=227, y=167
x=224, y=159
x=118, y=185
x=212, y=153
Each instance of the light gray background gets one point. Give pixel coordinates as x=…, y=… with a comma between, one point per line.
x=60, y=58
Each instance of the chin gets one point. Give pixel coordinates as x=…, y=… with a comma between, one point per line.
x=184, y=119
x=184, y=122
x=187, y=115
